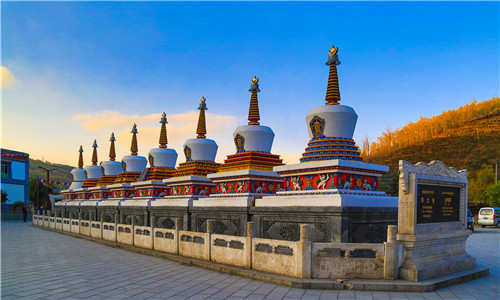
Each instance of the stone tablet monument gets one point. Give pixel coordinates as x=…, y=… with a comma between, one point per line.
x=432, y=220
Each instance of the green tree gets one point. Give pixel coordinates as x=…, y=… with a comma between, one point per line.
x=492, y=195
x=389, y=183
x=42, y=192
x=484, y=178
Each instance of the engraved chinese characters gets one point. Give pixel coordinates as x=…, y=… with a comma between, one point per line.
x=437, y=203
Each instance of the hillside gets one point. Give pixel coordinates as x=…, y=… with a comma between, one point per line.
x=468, y=143
x=461, y=148
x=60, y=173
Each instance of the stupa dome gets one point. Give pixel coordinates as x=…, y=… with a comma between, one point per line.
x=256, y=138
x=162, y=157
x=200, y=150
x=111, y=168
x=337, y=120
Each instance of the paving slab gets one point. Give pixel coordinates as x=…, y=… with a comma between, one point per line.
x=45, y=262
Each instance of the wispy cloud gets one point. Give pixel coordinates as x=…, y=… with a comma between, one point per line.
x=180, y=128
x=8, y=78
x=289, y=158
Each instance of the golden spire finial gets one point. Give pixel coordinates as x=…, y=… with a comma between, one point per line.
x=333, y=50
x=201, y=129
x=163, y=133
x=332, y=90
x=253, y=112
x=80, y=158
x=133, y=148
x=112, y=153
x=94, y=154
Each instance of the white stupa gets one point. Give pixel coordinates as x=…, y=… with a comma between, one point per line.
x=112, y=167
x=163, y=157
x=247, y=174
x=190, y=182
x=78, y=173
x=331, y=171
x=134, y=163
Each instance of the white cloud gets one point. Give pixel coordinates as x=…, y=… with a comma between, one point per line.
x=8, y=78
x=180, y=127
x=289, y=158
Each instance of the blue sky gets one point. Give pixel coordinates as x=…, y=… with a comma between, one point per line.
x=80, y=70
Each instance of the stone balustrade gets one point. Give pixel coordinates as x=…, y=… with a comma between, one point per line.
x=300, y=259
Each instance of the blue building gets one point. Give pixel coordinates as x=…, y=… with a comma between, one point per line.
x=15, y=176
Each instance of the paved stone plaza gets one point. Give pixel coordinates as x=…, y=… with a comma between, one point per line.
x=40, y=264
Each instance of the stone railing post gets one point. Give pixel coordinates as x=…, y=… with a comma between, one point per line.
x=177, y=237
x=152, y=220
x=132, y=222
x=304, y=253
x=79, y=222
x=249, y=244
x=391, y=255
x=208, y=242
x=116, y=227
x=101, y=221
x=304, y=232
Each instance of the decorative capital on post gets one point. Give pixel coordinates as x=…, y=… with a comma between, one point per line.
x=163, y=133
x=201, y=129
x=253, y=112
x=134, y=148
x=80, y=158
x=332, y=90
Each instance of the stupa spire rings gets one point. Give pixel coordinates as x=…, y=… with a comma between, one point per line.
x=201, y=129
x=253, y=112
x=112, y=153
x=94, y=153
x=332, y=90
x=163, y=133
x=134, y=148
x=80, y=158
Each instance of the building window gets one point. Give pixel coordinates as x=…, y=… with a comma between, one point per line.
x=5, y=171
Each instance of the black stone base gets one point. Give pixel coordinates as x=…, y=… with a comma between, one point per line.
x=327, y=224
